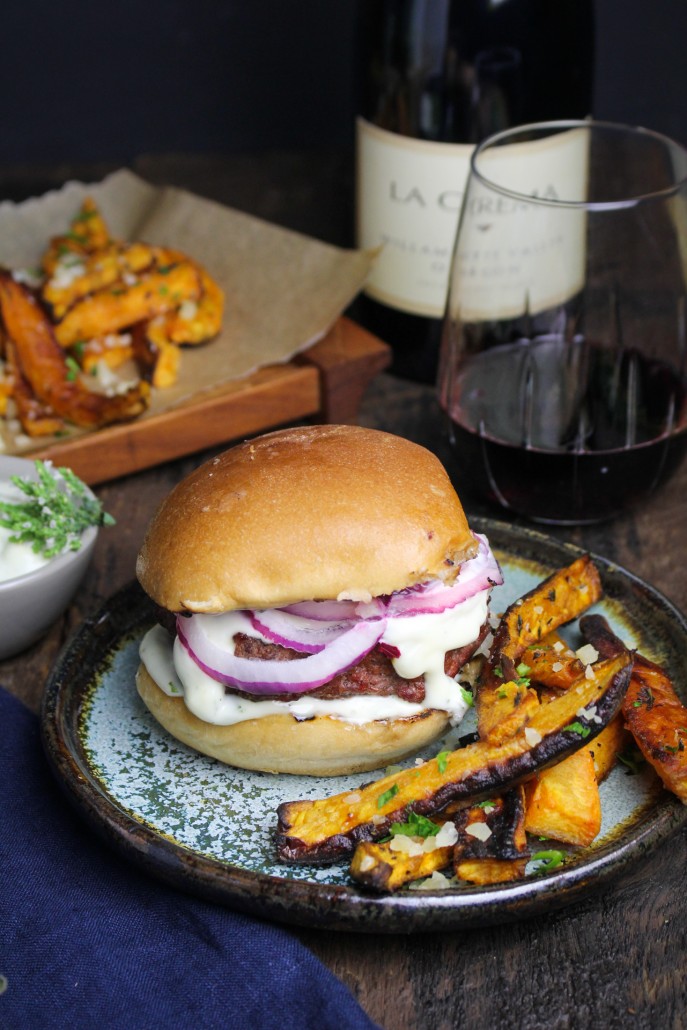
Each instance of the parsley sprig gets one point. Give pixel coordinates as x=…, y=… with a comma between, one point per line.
x=55, y=513
x=416, y=826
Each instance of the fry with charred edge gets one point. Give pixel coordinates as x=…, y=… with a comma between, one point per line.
x=503, y=854
x=653, y=712
x=494, y=829
x=502, y=822
x=325, y=830
x=504, y=699
x=564, y=596
x=43, y=365
x=484, y=871
x=380, y=868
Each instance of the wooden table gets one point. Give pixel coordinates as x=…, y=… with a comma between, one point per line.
x=617, y=959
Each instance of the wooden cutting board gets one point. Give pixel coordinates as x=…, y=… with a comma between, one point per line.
x=326, y=382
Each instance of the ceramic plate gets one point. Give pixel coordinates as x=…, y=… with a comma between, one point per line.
x=207, y=828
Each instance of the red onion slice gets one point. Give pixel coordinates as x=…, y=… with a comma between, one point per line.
x=323, y=611
x=479, y=573
x=309, y=636
x=274, y=677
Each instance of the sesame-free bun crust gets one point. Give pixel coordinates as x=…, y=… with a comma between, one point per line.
x=319, y=512
x=322, y=746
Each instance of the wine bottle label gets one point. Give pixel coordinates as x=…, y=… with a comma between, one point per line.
x=409, y=195
x=514, y=256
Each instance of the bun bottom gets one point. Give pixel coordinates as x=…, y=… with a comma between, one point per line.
x=322, y=746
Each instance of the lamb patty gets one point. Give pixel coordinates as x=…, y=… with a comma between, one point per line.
x=373, y=674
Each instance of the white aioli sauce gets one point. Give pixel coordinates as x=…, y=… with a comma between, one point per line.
x=15, y=559
x=423, y=640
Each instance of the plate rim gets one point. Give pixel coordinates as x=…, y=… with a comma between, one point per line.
x=307, y=903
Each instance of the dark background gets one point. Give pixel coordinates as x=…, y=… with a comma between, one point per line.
x=88, y=81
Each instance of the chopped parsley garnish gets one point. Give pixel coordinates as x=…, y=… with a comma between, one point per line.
x=467, y=695
x=442, y=760
x=416, y=826
x=645, y=697
x=55, y=513
x=545, y=860
x=387, y=796
x=577, y=727
x=73, y=369
x=523, y=678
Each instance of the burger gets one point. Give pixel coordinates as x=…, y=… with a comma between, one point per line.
x=319, y=591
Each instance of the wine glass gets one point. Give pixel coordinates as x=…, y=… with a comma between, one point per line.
x=563, y=370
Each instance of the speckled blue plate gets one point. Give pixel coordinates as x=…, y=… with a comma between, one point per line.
x=207, y=828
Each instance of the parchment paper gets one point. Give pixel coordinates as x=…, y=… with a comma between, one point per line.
x=283, y=291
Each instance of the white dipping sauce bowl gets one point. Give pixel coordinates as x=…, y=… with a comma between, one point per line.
x=30, y=604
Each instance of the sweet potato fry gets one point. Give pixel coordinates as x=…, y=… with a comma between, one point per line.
x=114, y=308
x=604, y=749
x=157, y=357
x=653, y=712
x=88, y=232
x=196, y=322
x=495, y=829
x=504, y=699
x=657, y=720
x=485, y=871
x=323, y=830
x=563, y=803
x=564, y=596
x=503, y=707
x=552, y=664
x=75, y=275
x=113, y=350
x=43, y=364
x=36, y=419
x=381, y=868
x=5, y=393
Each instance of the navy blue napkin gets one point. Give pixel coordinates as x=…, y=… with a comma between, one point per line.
x=88, y=941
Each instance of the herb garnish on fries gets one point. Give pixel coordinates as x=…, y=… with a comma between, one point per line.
x=101, y=322
x=552, y=723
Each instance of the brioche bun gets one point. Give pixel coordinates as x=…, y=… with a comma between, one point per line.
x=320, y=512
x=313, y=513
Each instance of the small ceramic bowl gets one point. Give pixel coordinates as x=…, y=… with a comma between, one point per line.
x=30, y=604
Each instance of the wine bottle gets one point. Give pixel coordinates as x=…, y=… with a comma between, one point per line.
x=439, y=76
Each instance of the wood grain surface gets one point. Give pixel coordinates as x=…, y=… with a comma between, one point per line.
x=616, y=959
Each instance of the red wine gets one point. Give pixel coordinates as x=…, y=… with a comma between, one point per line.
x=440, y=75
x=532, y=436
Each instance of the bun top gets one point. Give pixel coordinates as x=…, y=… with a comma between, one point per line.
x=311, y=513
